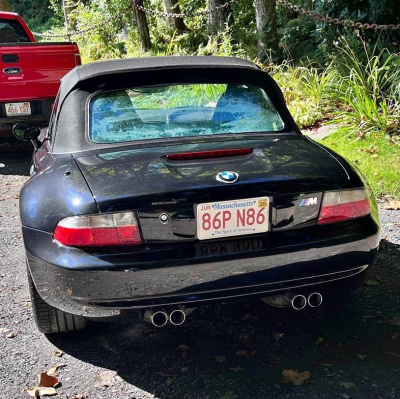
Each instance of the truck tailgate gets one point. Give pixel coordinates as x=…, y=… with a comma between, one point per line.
x=38, y=68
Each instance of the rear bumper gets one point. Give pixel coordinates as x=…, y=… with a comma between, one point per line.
x=102, y=284
x=41, y=111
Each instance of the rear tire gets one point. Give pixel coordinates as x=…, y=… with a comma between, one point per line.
x=50, y=320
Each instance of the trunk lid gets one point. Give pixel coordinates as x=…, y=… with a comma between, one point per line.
x=287, y=169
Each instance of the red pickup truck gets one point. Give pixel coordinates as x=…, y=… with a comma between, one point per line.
x=30, y=73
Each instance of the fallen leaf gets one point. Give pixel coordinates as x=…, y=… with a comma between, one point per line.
x=347, y=385
x=372, y=152
x=58, y=353
x=169, y=381
x=371, y=282
x=107, y=378
x=33, y=393
x=362, y=357
x=47, y=392
x=12, y=334
x=278, y=336
x=220, y=359
x=295, y=377
x=393, y=205
x=4, y=330
x=319, y=340
x=54, y=370
x=236, y=369
x=45, y=380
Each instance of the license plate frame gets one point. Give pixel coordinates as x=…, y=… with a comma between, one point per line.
x=18, y=109
x=238, y=224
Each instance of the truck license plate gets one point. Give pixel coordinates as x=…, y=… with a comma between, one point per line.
x=232, y=218
x=18, y=109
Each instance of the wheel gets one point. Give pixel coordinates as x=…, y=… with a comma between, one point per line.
x=49, y=319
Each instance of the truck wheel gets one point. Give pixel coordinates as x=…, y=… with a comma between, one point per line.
x=49, y=319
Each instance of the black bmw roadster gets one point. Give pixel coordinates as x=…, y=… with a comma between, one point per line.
x=166, y=183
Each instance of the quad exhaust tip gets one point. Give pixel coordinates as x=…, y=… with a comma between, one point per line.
x=177, y=317
x=315, y=299
x=296, y=301
x=159, y=317
x=299, y=302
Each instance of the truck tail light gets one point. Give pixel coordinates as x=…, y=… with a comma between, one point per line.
x=78, y=60
x=338, y=206
x=97, y=230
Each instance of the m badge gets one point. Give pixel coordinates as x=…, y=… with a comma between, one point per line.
x=309, y=201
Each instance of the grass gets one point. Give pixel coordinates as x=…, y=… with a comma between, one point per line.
x=376, y=155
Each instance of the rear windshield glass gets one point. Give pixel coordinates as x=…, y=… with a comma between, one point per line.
x=11, y=32
x=180, y=111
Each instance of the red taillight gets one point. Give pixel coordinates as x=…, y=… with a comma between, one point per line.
x=78, y=60
x=188, y=156
x=97, y=230
x=338, y=206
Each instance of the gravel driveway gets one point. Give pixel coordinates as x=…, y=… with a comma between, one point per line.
x=348, y=348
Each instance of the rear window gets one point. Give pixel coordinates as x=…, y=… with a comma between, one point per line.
x=12, y=32
x=180, y=111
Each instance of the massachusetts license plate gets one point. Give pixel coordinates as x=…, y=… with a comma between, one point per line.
x=232, y=218
x=18, y=109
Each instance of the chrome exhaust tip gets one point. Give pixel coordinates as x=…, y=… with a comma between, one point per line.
x=315, y=299
x=177, y=317
x=157, y=317
x=299, y=302
x=289, y=299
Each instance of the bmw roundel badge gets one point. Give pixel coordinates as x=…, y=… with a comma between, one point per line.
x=227, y=177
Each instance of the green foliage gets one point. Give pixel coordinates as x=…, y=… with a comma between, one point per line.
x=309, y=91
x=37, y=14
x=376, y=155
x=370, y=91
x=105, y=42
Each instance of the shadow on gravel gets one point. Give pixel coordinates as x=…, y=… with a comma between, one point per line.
x=351, y=346
x=16, y=158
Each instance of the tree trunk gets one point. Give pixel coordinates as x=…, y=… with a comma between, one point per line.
x=266, y=27
x=218, y=19
x=70, y=25
x=172, y=6
x=5, y=5
x=142, y=25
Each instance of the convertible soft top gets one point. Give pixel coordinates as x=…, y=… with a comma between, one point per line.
x=82, y=82
x=112, y=67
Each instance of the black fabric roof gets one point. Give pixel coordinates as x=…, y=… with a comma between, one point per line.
x=71, y=134
x=102, y=68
